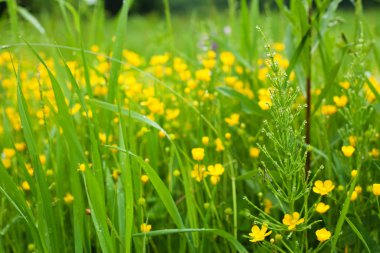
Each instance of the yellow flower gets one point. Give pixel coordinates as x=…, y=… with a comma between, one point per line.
x=267, y=205
x=354, y=173
x=258, y=234
x=340, y=101
x=199, y=172
x=375, y=152
x=376, y=189
x=233, y=120
x=323, y=234
x=358, y=189
x=205, y=140
x=8, y=153
x=172, y=113
x=265, y=104
x=25, y=186
x=345, y=85
x=198, y=153
x=348, y=150
x=203, y=75
x=215, y=171
x=292, y=220
x=82, y=167
x=145, y=227
x=354, y=196
x=144, y=178
x=227, y=58
x=68, y=198
x=322, y=207
x=352, y=139
x=20, y=146
x=328, y=109
x=323, y=188
x=219, y=145
x=254, y=152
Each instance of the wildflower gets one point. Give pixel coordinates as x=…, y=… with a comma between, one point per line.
x=292, y=220
x=345, y=85
x=227, y=58
x=68, y=198
x=376, y=189
x=322, y=207
x=267, y=205
x=354, y=173
x=199, y=172
x=172, y=113
x=205, y=140
x=375, y=152
x=258, y=234
x=265, y=104
x=233, y=120
x=348, y=150
x=20, y=146
x=203, y=75
x=25, y=186
x=8, y=153
x=358, y=189
x=340, y=101
x=254, y=152
x=323, y=188
x=116, y=174
x=354, y=196
x=144, y=178
x=219, y=145
x=145, y=227
x=228, y=136
x=215, y=171
x=176, y=173
x=323, y=234
x=352, y=140
x=328, y=110
x=82, y=167
x=198, y=153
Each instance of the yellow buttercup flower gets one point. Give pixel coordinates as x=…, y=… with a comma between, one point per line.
x=258, y=234
x=348, y=150
x=227, y=58
x=199, y=172
x=254, y=152
x=144, y=178
x=233, y=120
x=328, y=109
x=323, y=234
x=322, y=207
x=323, y=188
x=340, y=101
x=145, y=227
x=215, y=171
x=205, y=140
x=198, y=153
x=292, y=220
x=219, y=145
x=68, y=198
x=25, y=186
x=376, y=189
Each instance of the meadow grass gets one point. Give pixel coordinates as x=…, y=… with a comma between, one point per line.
x=246, y=131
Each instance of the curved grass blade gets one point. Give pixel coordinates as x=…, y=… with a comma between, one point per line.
x=31, y=19
x=237, y=245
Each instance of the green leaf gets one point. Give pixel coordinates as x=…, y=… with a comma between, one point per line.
x=31, y=19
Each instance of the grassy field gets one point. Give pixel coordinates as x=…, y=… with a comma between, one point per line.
x=235, y=131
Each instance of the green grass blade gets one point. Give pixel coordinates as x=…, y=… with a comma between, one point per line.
x=31, y=19
x=237, y=245
x=357, y=232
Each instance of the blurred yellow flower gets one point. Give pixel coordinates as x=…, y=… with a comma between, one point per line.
x=322, y=207
x=292, y=220
x=233, y=120
x=323, y=234
x=198, y=154
x=144, y=178
x=376, y=189
x=328, y=109
x=199, y=172
x=215, y=171
x=219, y=145
x=145, y=227
x=205, y=140
x=323, y=188
x=340, y=101
x=258, y=234
x=348, y=150
x=227, y=58
x=25, y=186
x=68, y=198
x=254, y=152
